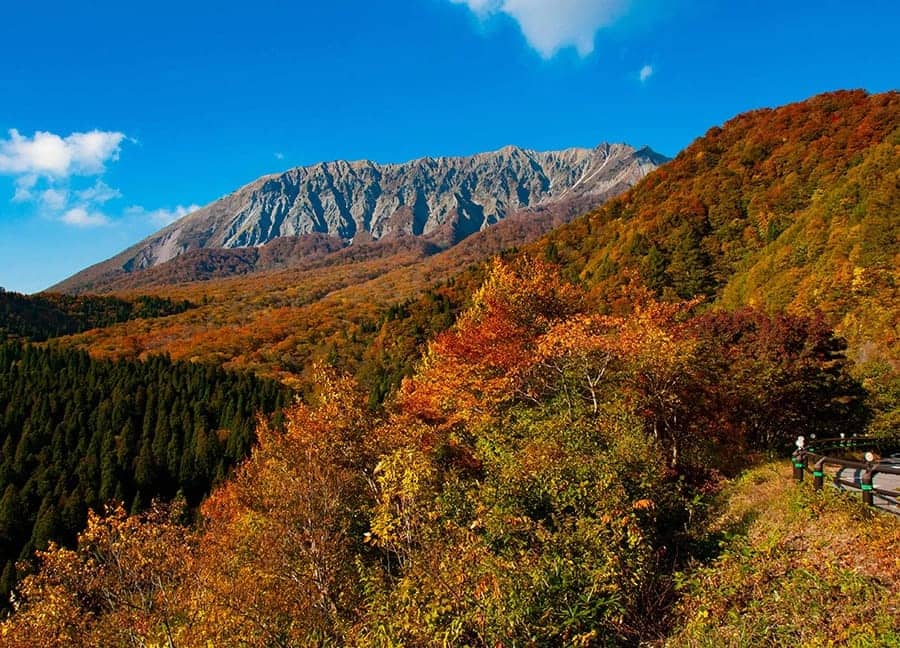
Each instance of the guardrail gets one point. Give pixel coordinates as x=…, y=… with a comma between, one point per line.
x=816, y=452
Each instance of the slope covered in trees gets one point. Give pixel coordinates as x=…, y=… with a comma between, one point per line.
x=536, y=482
x=756, y=189
x=45, y=315
x=78, y=433
x=278, y=323
x=793, y=208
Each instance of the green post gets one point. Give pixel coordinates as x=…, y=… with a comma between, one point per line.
x=868, y=494
x=819, y=474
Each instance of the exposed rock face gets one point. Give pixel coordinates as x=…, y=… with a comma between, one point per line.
x=442, y=200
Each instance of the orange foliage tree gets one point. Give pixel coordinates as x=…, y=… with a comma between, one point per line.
x=122, y=586
x=280, y=539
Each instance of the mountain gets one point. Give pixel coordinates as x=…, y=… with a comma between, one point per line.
x=792, y=208
x=440, y=201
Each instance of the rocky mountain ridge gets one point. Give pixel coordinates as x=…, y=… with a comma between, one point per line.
x=440, y=200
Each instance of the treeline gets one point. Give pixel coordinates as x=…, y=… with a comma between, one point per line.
x=77, y=433
x=46, y=315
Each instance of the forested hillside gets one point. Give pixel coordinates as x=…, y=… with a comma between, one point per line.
x=802, y=188
x=538, y=481
x=45, y=315
x=279, y=322
x=793, y=208
x=79, y=433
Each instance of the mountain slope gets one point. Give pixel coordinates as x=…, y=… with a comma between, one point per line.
x=441, y=200
x=794, y=208
x=279, y=321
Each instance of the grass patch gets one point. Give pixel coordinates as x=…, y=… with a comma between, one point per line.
x=795, y=566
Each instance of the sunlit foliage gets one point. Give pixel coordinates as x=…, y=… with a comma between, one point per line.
x=532, y=483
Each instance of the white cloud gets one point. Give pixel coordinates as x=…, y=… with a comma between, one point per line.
x=54, y=199
x=24, y=186
x=551, y=25
x=82, y=217
x=645, y=73
x=162, y=216
x=45, y=167
x=99, y=193
x=279, y=156
x=49, y=155
x=53, y=173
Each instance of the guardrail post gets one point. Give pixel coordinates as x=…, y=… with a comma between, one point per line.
x=866, y=486
x=819, y=474
x=799, y=459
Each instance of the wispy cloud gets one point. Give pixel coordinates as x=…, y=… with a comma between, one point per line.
x=645, y=73
x=163, y=216
x=82, y=217
x=279, y=155
x=99, y=193
x=25, y=188
x=551, y=25
x=54, y=199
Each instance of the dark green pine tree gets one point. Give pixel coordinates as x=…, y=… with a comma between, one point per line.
x=46, y=526
x=689, y=270
x=653, y=269
x=78, y=433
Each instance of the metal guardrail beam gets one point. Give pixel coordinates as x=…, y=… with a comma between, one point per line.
x=868, y=469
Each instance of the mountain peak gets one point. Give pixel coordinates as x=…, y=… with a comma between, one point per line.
x=441, y=200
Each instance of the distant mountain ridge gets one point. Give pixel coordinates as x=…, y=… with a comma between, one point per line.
x=791, y=209
x=439, y=200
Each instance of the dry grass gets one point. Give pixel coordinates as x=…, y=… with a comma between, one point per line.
x=797, y=567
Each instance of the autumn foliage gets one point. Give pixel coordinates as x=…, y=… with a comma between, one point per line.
x=791, y=209
x=122, y=586
x=540, y=469
x=531, y=483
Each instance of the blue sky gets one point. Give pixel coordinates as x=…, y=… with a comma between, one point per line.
x=116, y=117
